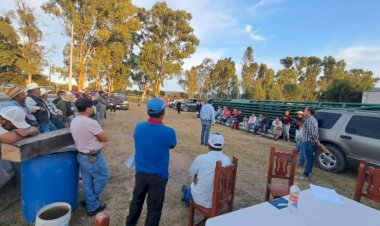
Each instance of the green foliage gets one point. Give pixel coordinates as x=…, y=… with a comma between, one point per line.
x=248, y=73
x=96, y=23
x=189, y=81
x=21, y=52
x=224, y=81
x=350, y=88
x=167, y=39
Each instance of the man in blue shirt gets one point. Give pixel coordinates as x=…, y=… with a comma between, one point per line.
x=153, y=141
x=207, y=116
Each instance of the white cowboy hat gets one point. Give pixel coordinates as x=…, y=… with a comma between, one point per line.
x=32, y=86
x=16, y=115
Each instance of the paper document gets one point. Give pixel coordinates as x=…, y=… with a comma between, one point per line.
x=130, y=162
x=326, y=194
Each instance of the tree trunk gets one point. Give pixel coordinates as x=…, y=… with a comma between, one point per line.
x=157, y=88
x=81, y=77
x=29, y=78
x=143, y=95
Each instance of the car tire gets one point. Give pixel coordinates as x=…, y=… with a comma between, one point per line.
x=334, y=162
x=185, y=109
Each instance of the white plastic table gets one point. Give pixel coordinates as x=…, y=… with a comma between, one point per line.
x=311, y=212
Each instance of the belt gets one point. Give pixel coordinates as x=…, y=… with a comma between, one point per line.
x=89, y=154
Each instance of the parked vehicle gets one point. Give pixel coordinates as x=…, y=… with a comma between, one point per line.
x=121, y=100
x=189, y=105
x=350, y=135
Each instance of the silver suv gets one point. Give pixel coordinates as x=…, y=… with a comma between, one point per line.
x=350, y=135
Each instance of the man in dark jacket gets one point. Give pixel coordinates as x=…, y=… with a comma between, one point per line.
x=178, y=106
x=38, y=108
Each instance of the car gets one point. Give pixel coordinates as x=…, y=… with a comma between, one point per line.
x=350, y=136
x=189, y=105
x=121, y=100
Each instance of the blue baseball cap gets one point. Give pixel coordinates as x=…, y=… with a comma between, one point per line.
x=155, y=106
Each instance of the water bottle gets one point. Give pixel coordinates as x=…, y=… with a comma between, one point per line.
x=293, y=197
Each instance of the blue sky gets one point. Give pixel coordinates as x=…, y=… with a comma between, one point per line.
x=345, y=29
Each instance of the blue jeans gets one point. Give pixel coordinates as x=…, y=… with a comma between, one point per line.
x=301, y=155
x=100, y=117
x=58, y=122
x=206, y=127
x=95, y=177
x=186, y=195
x=285, y=133
x=47, y=127
x=308, y=151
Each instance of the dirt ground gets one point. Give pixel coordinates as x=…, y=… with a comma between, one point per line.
x=251, y=150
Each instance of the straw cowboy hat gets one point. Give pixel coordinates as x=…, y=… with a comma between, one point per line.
x=68, y=96
x=44, y=91
x=13, y=92
x=32, y=86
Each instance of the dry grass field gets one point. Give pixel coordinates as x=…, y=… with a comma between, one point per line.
x=252, y=152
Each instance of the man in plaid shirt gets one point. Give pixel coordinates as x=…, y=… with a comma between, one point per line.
x=310, y=138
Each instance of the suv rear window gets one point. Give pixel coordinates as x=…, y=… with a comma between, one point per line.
x=364, y=126
x=326, y=120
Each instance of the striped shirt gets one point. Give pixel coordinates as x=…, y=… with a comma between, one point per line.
x=208, y=113
x=310, y=130
x=203, y=168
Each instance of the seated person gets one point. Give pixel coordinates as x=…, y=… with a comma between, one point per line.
x=13, y=126
x=268, y=125
x=257, y=124
x=226, y=114
x=202, y=170
x=277, y=128
x=251, y=122
x=263, y=123
x=233, y=116
x=218, y=114
x=237, y=119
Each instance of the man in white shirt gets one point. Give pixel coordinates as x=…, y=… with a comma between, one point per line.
x=202, y=170
x=88, y=137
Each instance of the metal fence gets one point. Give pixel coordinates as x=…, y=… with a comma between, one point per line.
x=277, y=108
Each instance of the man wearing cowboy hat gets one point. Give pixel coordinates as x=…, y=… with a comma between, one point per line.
x=37, y=107
x=55, y=113
x=13, y=126
x=17, y=98
x=65, y=105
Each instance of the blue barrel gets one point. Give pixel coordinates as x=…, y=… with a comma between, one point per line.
x=48, y=179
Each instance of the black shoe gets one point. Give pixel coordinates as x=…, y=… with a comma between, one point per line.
x=83, y=203
x=99, y=209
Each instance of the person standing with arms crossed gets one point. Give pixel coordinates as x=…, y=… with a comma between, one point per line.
x=153, y=141
x=207, y=116
x=88, y=137
x=310, y=138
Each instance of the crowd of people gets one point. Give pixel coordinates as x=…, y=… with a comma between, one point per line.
x=306, y=134
x=28, y=113
x=262, y=124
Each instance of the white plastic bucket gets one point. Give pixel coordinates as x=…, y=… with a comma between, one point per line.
x=54, y=214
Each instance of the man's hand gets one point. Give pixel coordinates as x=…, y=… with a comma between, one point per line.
x=22, y=132
x=42, y=109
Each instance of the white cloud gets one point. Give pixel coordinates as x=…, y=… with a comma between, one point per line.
x=360, y=54
x=200, y=55
x=248, y=28
x=366, y=57
x=264, y=7
x=252, y=34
